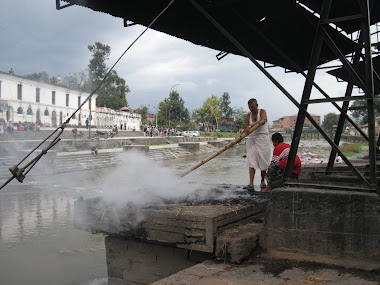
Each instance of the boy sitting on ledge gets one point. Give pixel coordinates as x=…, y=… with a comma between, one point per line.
x=276, y=169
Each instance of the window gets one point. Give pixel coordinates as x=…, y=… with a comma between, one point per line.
x=46, y=113
x=53, y=97
x=29, y=112
x=38, y=95
x=78, y=101
x=20, y=111
x=67, y=99
x=19, y=91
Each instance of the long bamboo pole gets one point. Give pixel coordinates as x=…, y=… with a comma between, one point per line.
x=227, y=146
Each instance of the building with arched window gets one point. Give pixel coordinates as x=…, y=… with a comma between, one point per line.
x=25, y=100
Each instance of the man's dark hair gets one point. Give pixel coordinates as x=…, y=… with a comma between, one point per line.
x=252, y=101
x=277, y=137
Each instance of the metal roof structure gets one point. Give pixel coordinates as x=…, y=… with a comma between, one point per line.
x=298, y=35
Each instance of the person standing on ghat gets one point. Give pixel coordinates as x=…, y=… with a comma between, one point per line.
x=258, y=146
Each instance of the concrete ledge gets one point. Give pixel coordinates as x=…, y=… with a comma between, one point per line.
x=217, y=143
x=315, y=223
x=190, y=146
x=141, y=148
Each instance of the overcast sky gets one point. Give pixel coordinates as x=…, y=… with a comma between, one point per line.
x=36, y=37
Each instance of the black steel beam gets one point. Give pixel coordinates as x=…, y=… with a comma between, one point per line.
x=340, y=126
x=274, y=81
x=297, y=68
x=370, y=89
x=344, y=61
x=336, y=99
x=59, y=7
x=312, y=68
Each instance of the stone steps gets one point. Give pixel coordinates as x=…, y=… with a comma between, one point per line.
x=72, y=160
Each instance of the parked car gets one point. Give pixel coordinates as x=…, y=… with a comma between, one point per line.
x=187, y=133
x=190, y=134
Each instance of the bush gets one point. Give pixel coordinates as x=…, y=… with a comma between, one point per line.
x=349, y=148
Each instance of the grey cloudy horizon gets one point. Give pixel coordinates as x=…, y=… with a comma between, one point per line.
x=37, y=37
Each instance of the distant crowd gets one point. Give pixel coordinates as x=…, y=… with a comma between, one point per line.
x=150, y=131
x=8, y=127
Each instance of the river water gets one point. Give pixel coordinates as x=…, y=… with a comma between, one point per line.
x=38, y=242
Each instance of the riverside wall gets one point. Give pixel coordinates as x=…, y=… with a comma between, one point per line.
x=10, y=147
x=334, y=227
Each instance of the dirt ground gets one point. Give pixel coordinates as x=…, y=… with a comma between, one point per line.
x=318, y=151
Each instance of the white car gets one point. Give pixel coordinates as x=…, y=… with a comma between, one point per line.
x=195, y=133
x=187, y=133
x=190, y=134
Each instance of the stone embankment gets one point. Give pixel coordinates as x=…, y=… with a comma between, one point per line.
x=75, y=155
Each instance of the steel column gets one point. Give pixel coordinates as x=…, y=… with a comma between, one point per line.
x=274, y=81
x=299, y=70
x=313, y=64
x=370, y=103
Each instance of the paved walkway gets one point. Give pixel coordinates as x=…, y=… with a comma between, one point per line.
x=268, y=272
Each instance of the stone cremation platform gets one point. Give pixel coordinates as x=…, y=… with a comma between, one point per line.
x=188, y=224
x=149, y=242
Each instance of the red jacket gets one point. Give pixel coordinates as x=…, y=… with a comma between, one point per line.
x=280, y=155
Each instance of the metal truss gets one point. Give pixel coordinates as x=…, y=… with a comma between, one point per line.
x=321, y=37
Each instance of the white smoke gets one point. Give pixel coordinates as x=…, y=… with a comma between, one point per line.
x=139, y=180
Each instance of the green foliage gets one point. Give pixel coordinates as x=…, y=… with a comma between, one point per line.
x=239, y=113
x=329, y=120
x=97, y=66
x=40, y=77
x=239, y=124
x=225, y=105
x=172, y=112
x=113, y=91
x=142, y=110
x=361, y=116
x=210, y=111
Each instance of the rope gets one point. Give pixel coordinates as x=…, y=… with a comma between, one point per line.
x=17, y=172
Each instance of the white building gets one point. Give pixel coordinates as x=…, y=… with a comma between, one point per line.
x=106, y=117
x=25, y=100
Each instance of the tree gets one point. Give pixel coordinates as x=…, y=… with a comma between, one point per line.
x=97, y=66
x=172, y=111
x=41, y=76
x=330, y=120
x=239, y=115
x=210, y=112
x=143, y=110
x=77, y=81
x=113, y=91
x=225, y=105
x=361, y=115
